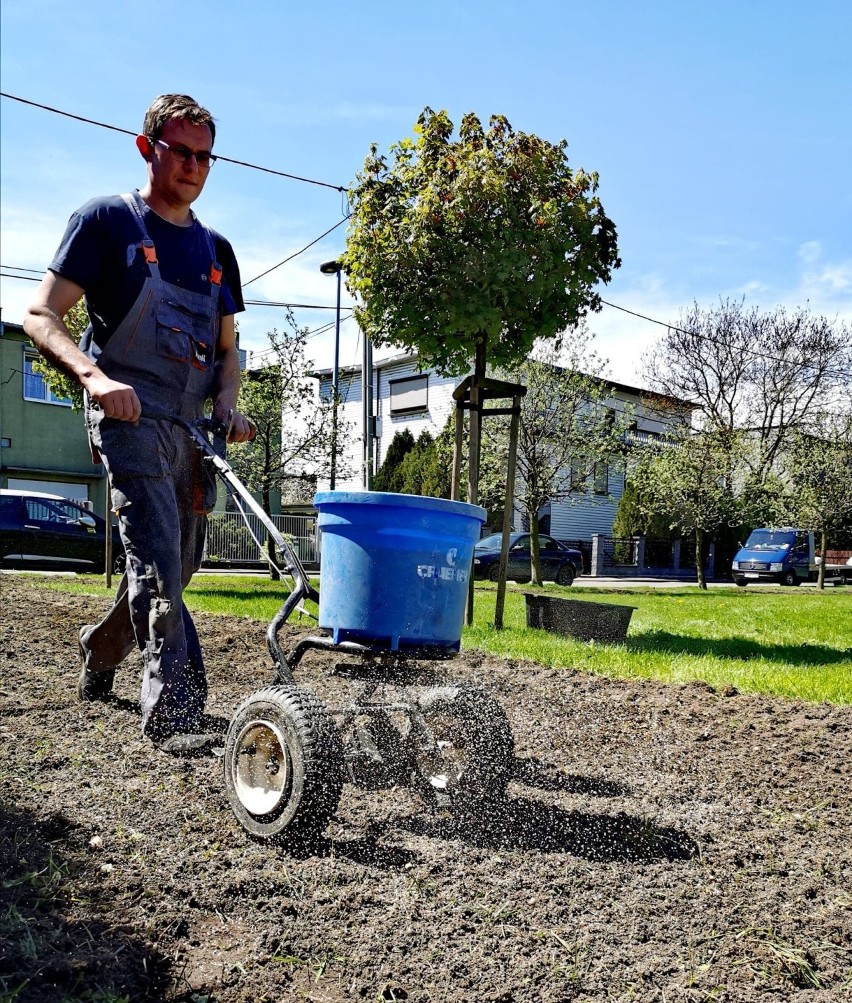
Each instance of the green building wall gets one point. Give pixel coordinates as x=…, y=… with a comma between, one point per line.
x=41, y=441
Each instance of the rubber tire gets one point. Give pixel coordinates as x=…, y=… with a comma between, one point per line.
x=740, y=583
x=297, y=724
x=465, y=720
x=494, y=572
x=566, y=575
x=790, y=578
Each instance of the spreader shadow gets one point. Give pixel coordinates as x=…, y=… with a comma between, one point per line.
x=545, y=777
x=369, y=853
x=530, y=826
x=365, y=850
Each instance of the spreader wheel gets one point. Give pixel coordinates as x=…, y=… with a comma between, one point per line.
x=373, y=751
x=461, y=746
x=283, y=765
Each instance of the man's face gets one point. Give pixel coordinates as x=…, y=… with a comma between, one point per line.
x=179, y=183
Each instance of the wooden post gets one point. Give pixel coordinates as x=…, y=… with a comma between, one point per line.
x=457, y=451
x=508, y=509
x=471, y=394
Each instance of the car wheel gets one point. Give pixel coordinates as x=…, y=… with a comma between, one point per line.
x=565, y=575
x=790, y=578
x=494, y=572
x=740, y=583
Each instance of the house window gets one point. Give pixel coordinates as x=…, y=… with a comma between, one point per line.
x=409, y=395
x=601, y=478
x=579, y=473
x=35, y=387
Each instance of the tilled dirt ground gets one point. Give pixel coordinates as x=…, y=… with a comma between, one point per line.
x=656, y=843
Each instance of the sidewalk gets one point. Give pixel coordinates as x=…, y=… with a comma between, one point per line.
x=621, y=581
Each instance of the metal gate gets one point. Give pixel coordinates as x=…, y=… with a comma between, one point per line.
x=230, y=542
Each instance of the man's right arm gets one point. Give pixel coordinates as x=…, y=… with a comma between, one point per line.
x=44, y=326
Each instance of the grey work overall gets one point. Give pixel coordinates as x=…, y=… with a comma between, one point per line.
x=164, y=348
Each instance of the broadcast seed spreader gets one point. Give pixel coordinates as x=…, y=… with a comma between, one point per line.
x=395, y=572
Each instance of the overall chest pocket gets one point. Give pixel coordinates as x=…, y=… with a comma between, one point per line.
x=184, y=334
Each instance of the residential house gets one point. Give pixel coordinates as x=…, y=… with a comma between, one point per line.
x=406, y=397
x=44, y=444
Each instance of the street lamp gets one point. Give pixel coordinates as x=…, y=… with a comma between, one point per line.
x=334, y=268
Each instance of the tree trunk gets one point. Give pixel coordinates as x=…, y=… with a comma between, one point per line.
x=508, y=511
x=475, y=424
x=535, y=553
x=475, y=444
x=699, y=559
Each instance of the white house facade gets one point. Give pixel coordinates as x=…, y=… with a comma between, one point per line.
x=406, y=397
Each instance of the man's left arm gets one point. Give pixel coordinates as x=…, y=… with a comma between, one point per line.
x=227, y=384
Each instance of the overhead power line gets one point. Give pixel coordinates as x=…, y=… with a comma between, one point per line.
x=297, y=253
x=25, y=278
x=293, y=306
x=130, y=132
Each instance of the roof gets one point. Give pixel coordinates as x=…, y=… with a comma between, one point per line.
x=644, y=392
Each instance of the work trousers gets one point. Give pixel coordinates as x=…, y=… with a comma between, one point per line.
x=153, y=470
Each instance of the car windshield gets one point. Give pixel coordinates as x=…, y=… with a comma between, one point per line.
x=770, y=539
x=493, y=542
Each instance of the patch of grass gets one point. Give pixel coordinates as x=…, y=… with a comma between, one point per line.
x=784, y=642
x=774, y=956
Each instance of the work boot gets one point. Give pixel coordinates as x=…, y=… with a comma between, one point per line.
x=190, y=744
x=92, y=685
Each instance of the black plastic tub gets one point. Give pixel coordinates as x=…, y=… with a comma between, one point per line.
x=587, y=621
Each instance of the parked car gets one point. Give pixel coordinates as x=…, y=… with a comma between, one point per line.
x=786, y=555
x=559, y=563
x=45, y=531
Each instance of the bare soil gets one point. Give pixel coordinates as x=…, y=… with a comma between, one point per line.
x=656, y=843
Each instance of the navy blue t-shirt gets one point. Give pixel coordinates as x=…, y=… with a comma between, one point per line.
x=100, y=252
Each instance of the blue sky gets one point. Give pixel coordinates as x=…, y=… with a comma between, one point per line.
x=722, y=132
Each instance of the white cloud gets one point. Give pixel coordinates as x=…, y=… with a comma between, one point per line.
x=825, y=285
x=810, y=252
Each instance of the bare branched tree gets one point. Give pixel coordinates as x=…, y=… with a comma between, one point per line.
x=765, y=373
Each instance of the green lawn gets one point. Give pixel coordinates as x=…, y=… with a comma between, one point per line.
x=788, y=642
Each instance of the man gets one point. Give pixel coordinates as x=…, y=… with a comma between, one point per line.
x=161, y=292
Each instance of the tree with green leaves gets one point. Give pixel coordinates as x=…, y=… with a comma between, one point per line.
x=60, y=384
x=387, y=477
x=412, y=470
x=568, y=431
x=818, y=478
x=632, y=517
x=468, y=250
x=293, y=442
x=688, y=479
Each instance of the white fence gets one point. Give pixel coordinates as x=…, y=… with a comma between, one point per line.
x=230, y=542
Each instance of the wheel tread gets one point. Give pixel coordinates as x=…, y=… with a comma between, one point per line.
x=321, y=761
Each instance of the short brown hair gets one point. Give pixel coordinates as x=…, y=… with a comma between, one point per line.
x=169, y=106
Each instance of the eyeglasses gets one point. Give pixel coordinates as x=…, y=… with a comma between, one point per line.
x=204, y=158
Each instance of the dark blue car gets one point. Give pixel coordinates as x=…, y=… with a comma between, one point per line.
x=47, y=532
x=559, y=563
